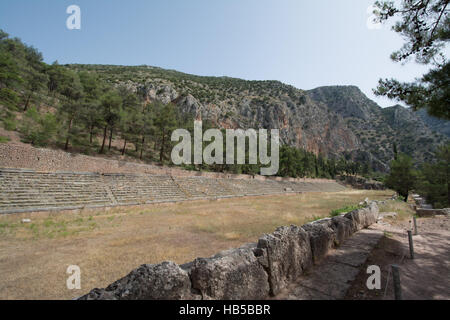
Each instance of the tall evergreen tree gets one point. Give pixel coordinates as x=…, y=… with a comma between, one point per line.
x=91, y=108
x=402, y=177
x=35, y=78
x=434, y=181
x=128, y=116
x=110, y=107
x=9, y=74
x=165, y=122
x=70, y=109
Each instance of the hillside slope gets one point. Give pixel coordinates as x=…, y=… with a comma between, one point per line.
x=235, y=103
x=334, y=121
x=439, y=125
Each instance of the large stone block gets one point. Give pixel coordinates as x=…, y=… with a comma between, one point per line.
x=363, y=218
x=322, y=238
x=165, y=281
x=230, y=275
x=286, y=254
x=373, y=213
x=343, y=228
x=358, y=218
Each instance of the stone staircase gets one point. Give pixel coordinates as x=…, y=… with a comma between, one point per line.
x=27, y=190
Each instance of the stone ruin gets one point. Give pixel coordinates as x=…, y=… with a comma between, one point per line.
x=423, y=209
x=254, y=271
x=27, y=190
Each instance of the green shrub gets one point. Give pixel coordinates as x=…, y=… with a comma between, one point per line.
x=10, y=123
x=38, y=129
x=337, y=212
x=9, y=98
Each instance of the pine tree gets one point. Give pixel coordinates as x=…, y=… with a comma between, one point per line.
x=127, y=116
x=395, y=151
x=91, y=107
x=165, y=122
x=9, y=75
x=402, y=177
x=70, y=110
x=425, y=24
x=110, y=108
x=434, y=182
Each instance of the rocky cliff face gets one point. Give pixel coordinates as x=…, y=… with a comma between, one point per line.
x=302, y=122
x=435, y=124
x=334, y=121
x=378, y=129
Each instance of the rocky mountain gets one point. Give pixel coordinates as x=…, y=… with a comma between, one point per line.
x=334, y=121
x=379, y=128
x=435, y=124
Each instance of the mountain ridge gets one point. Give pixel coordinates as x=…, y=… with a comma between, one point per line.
x=330, y=120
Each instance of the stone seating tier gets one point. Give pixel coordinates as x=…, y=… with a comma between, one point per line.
x=27, y=190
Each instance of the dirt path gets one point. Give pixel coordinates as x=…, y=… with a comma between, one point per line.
x=426, y=277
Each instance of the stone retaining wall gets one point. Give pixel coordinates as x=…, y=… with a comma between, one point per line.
x=361, y=183
x=432, y=212
x=28, y=190
x=423, y=209
x=254, y=271
x=20, y=155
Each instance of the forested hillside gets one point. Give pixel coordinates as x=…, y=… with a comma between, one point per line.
x=131, y=111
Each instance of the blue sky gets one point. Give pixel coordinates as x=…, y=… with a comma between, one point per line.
x=299, y=42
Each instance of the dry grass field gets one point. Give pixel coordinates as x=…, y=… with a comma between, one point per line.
x=108, y=243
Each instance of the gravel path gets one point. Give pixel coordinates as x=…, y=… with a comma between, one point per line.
x=426, y=277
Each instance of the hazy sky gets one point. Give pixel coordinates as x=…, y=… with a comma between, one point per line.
x=299, y=42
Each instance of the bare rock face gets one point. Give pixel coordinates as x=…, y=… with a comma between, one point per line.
x=189, y=105
x=230, y=275
x=165, y=281
x=322, y=238
x=343, y=229
x=288, y=254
